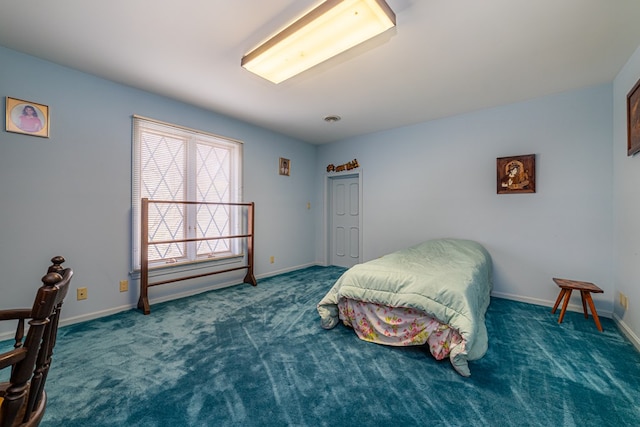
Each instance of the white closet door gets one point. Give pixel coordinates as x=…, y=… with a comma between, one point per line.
x=345, y=221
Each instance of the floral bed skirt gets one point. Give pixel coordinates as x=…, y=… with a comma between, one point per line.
x=398, y=326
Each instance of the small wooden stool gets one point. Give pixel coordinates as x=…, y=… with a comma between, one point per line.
x=585, y=288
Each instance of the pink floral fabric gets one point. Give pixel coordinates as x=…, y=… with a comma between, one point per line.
x=398, y=326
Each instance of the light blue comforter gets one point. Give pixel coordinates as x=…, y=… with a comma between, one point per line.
x=449, y=279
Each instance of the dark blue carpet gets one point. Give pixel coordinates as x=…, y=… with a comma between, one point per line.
x=246, y=356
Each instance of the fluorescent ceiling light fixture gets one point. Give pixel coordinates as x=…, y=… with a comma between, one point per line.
x=331, y=28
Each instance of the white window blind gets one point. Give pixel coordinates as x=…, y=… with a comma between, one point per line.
x=173, y=163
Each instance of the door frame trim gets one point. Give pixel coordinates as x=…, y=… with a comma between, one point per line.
x=329, y=177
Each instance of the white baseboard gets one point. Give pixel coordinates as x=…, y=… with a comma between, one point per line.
x=548, y=303
x=286, y=270
x=108, y=312
x=622, y=326
x=627, y=331
x=95, y=315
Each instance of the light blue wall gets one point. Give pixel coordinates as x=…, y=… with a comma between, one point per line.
x=70, y=194
x=626, y=196
x=438, y=179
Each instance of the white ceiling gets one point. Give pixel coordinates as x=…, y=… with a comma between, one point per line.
x=445, y=57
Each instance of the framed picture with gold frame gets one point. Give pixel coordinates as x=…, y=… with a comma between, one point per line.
x=26, y=117
x=284, y=167
x=516, y=174
x=633, y=120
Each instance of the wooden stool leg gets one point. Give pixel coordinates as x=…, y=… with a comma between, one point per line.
x=584, y=295
x=564, y=304
x=593, y=310
x=555, y=306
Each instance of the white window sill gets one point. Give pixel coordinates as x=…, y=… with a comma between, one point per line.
x=191, y=267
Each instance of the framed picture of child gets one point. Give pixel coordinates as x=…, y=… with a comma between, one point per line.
x=284, y=167
x=29, y=118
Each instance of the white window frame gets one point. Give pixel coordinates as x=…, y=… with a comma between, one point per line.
x=190, y=168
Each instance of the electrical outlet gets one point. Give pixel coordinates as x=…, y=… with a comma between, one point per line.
x=124, y=285
x=81, y=293
x=308, y=205
x=624, y=301
x=272, y=259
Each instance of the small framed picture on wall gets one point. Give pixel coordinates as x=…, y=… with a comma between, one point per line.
x=26, y=117
x=516, y=174
x=284, y=167
x=633, y=120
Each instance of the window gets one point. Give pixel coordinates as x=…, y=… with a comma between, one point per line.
x=172, y=163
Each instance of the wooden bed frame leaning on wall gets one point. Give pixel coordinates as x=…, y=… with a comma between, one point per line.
x=143, y=301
